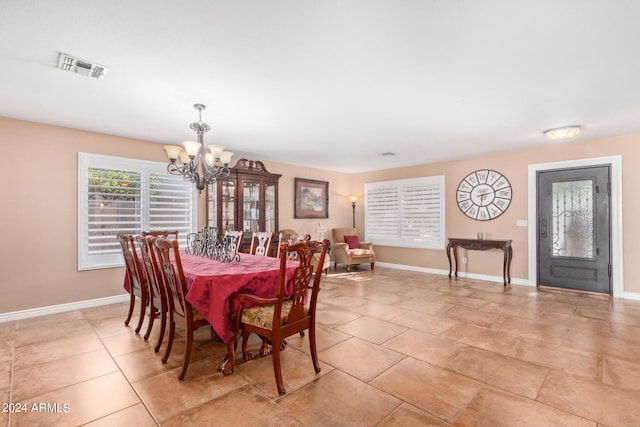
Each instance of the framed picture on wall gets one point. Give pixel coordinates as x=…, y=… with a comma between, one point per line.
x=311, y=198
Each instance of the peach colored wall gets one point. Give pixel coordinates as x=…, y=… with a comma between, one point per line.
x=514, y=165
x=39, y=215
x=40, y=209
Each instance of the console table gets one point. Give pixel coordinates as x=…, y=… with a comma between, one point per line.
x=482, y=245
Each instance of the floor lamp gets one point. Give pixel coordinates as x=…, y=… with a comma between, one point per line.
x=353, y=200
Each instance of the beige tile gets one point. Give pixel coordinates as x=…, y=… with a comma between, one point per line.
x=465, y=301
x=7, y=331
x=429, y=348
x=573, y=322
x=6, y=350
x=599, y=344
x=80, y=403
x=621, y=373
x=325, y=338
x=136, y=415
x=373, y=330
x=5, y=375
x=345, y=302
x=142, y=364
x=129, y=342
x=331, y=317
x=500, y=409
x=36, y=332
x=550, y=306
x=47, y=351
x=489, y=339
x=594, y=400
x=526, y=328
x=507, y=373
x=106, y=312
x=244, y=407
x=296, y=367
x=440, y=392
x=630, y=334
x=576, y=362
x=45, y=377
x=166, y=397
x=425, y=322
x=379, y=310
x=410, y=416
x=338, y=399
x=360, y=358
x=510, y=310
x=481, y=318
x=4, y=416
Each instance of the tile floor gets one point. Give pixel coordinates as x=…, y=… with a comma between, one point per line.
x=396, y=348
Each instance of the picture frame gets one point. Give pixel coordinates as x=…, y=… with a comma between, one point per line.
x=311, y=198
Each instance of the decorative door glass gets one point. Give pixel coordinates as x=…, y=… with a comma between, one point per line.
x=228, y=205
x=251, y=206
x=572, y=219
x=270, y=207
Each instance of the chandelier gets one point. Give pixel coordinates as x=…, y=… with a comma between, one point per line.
x=196, y=163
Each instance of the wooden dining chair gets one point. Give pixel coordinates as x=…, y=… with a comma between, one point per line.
x=135, y=277
x=162, y=234
x=276, y=318
x=158, y=305
x=235, y=239
x=261, y=243
x=290, y=237
x=179, y=308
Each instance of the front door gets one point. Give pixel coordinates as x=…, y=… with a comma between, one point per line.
x=574, y=229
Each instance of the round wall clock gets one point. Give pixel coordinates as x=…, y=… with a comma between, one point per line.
x=484, y=194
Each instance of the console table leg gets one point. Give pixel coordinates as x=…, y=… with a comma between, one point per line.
x=449, y=258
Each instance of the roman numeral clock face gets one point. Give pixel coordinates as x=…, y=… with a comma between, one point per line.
x=484, y=195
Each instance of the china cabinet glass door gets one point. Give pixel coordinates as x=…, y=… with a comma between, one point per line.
x=270, y=207
x=251, y=206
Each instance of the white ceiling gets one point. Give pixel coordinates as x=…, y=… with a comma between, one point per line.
x=329, y=83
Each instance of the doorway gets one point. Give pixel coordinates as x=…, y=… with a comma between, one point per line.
x=574, y=228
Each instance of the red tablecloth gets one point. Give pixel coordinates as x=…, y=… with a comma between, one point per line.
x=210, y=284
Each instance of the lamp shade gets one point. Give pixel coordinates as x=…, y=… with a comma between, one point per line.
x=192, y=148
x=173, y=152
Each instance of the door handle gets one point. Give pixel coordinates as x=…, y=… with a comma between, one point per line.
x=543, y=228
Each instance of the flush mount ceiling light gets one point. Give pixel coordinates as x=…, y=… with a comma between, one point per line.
x=564, y=132
x=83, y=67
x=387, y=154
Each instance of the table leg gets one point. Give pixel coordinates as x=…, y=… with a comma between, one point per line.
x=449, y=257
x=509, y=264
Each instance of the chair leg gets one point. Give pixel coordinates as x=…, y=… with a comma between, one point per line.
x=277, y=370
x=132, y=302
x=143, y=306
x=187, y=351
x=172, y=333
x=372, y=265
x=247, y=355
x=313, y=348
x=152, y=318
x=163, y=324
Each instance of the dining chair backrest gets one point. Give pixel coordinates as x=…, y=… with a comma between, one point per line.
x=157, y=295
x=173, y=276
x=134, y=270
x=289, y=239
x=135, y=278
x=261, y=243
x=234, y=240
x=161, y=234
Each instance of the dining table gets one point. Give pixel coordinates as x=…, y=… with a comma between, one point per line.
x=211, y=284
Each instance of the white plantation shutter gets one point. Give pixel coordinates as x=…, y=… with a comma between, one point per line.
x=119, y=195
x=406, y=213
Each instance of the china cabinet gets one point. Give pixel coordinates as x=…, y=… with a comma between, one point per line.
x=246, y=200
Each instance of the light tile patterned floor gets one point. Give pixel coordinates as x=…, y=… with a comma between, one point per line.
x=396, y=348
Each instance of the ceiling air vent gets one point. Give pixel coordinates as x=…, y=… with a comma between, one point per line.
x=81, y=66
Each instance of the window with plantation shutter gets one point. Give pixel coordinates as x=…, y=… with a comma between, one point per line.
x=406, y=213
x=119, y=195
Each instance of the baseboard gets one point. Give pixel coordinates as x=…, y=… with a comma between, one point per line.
x=631, y=295
x=498, y=279
x=61, y=308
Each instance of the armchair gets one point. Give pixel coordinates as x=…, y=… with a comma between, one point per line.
x=347, y=249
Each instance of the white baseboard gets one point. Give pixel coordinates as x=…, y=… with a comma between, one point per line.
x=631, y=295
x=498, y=279
x=61, y=308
